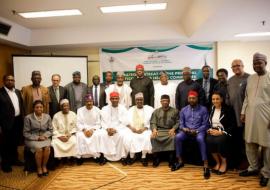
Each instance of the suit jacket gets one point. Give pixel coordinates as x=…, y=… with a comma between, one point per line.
x=27, y=95
x=102, y=95
x=213, y=82
x=7, y=111
x=54, y=104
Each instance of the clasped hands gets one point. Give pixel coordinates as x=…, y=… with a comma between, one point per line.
x=155, y=133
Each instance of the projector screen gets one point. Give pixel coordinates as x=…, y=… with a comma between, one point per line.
x=63, y=65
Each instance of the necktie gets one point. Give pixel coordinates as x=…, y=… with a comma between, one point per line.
x=205, y=89
x=57, y=94
x=96, y=96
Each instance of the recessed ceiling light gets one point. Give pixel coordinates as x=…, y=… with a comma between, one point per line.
x=55, y=13
x=134, y=8
x=254, y=34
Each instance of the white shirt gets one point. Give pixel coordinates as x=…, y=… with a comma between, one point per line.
x=14, y=99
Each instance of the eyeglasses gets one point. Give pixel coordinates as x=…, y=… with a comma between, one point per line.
x=236, y=66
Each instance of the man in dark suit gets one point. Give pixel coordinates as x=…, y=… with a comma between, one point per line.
x=57, y=93
x=11, y=123
x=207, y=83
x=98, y=92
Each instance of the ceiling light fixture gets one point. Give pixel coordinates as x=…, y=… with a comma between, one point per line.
x=254, y=34
x=55, y=13
x=134, y=8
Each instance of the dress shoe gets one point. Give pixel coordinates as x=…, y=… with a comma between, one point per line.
x=206, y=173
x=131, y=161
x=102, y=161
x=221, y=173
x=177, y=166
x=246, y=173
x=124, y=161
x=156, y=162
x=144, y=162
x=39, y=175
x=18, y=163
x=45, y=173
x=79, y=161
x=214, y=171
x=264, y=181
x=6, y=169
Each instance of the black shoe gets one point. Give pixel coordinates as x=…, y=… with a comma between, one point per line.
x=206, y=173
x=156, y=162
x=45, y=173
x=18, y=163
x=177, y=166
x=144, y=162
x=131, y=161
x=264, y=181
x=247, y=173
x=79, y=161
x=214, y=171
x=102, y=161
x=221, y=173
x=6, y=169
x=124, y=161
x=39, y=175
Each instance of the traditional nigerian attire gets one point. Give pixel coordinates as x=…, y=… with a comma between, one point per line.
x=64, y=125
x=168, y=89
x=196, y=119
x=140, y=118
x=256, y=108
x=163, y=121
x=117, y=146
x=88, y=120
x=124, y=94
x=34, y=128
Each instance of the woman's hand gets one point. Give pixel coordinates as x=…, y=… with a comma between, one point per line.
x=214, y=132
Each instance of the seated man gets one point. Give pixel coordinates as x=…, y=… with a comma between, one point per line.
x=116, y=142
x=139, y=122
x=193, y=124
x=64, y=129
x=88, y=125
x=164, y=122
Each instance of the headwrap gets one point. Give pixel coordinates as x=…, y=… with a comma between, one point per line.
x=139, y=66
x=165, y=96
x=64, y=101
x=76, y=73
x=193, y=93
x=139, y=95
x=88, y=97
x=258, y=56
x=114, y=94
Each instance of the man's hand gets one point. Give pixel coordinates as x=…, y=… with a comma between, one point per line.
x=193, y=132
x=140, y=131
x=242, y=118
x=133, y=129
x=63, y=138
x=154, y=134
x=172, y=132
x=186, y=130
x=88, y=133
x=111, y=131
x=42, y=138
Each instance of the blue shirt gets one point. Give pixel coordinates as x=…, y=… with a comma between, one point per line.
x=194, y=118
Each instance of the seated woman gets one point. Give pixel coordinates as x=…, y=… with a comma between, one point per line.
x=37, y=132
x=222, y=120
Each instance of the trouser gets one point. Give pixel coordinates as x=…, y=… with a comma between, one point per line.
x=253, y=155
x=200, y=138
x=238, y=147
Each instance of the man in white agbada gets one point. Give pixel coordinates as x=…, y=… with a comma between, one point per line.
x=139, y=123
x=115, y=144
x=89, y=131
x=256, y=115
x=123, y=89
x=164, y=87
x=64, y=130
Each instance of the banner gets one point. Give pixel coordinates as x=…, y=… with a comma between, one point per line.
x=169, y=59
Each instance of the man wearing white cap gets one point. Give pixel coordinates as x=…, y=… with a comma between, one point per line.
x=123, y=89
x=64, y=130
x=139, y=123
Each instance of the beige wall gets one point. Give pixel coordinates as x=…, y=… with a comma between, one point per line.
x=228, y=51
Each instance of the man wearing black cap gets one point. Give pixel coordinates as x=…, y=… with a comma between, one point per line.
x=76, y=91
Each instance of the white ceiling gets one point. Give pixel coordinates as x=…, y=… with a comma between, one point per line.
x=184, y=21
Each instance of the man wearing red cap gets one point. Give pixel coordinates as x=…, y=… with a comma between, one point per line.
x=193, y=124
x=255, y=113
x=144, y=84
x=115, y=143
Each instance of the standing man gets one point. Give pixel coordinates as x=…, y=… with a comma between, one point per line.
x=123, y=89
x=108, y=79
x=57, y=93
x=256, y=115
x=207, y=83
x=236, y=90
x=144, y=84
x=164, y=87
x=11, y=123
x=193, y=124
x=34, y=92
x=181, y=96
x=164, y=122
x=98, y=92
x=76, y=91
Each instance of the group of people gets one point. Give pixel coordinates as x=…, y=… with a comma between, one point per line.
x=116, y=121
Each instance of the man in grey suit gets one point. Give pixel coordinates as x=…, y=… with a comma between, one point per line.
x=98, y=92
x=57, y=93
